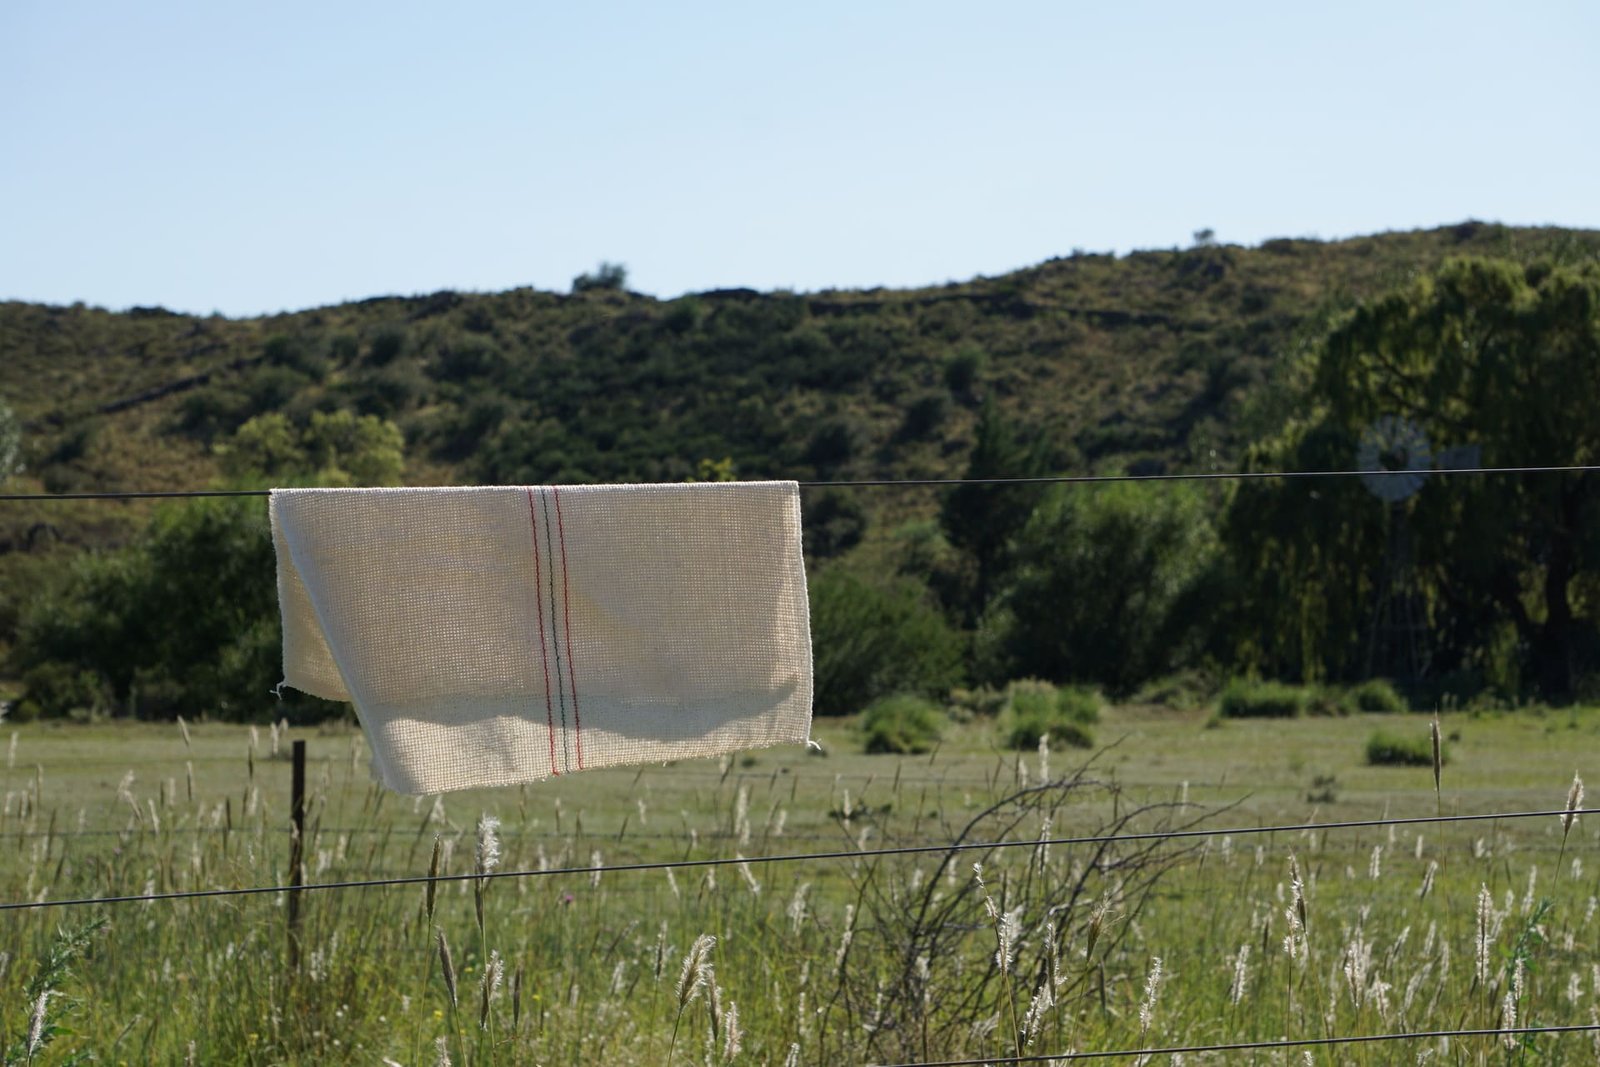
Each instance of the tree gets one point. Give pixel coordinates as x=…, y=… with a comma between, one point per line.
x=1103, y=585
x=334, y=449
x=874, y=638
x=981, y=520
x=182, y=622
x=10, y=442
x=605, y=276
x=1484, y=352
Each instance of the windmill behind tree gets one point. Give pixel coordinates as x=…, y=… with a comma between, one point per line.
x=1397, y=457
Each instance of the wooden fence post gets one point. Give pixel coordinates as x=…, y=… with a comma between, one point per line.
x=297, y=838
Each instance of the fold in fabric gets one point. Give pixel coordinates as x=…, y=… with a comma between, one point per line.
x=500, y=635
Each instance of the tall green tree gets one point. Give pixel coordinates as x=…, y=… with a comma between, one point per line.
x=982, y=520
x=182, y=622
x=1484, y=352
x=1105, y=584
x=874, y=637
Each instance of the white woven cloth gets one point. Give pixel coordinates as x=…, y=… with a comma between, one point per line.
x=499, y=635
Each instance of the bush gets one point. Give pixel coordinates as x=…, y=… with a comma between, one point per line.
x=612, y=276
x=182, y=622
x=924, y=416
x=1106, y=584
x=56, y=690
x=1378, y=695
x=968, y=704
x=1330, y=701
x=903, y=723
x=1409, y=750
x=1180, y=691
x=876, y=638
x=1263, y=700
x=962, y=371
x=1037, y=709
x=10, y=442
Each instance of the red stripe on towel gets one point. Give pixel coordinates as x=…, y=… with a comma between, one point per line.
x=566, y=611
x=538, y=584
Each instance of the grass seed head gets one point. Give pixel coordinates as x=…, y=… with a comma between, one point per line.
x=36, y=1021
x=696, y=968
x=732, y=1036
x=493, y=973
x=430, y=892
x=448, y=966
x=488, y=857
x=1574, y=802
x=1152, y=989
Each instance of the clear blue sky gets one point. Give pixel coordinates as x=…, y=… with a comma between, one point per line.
x=258, y=157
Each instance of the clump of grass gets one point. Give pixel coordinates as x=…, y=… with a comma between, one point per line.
x=1245, y=699
x=1039, y=709
x=1181, y=691
x=1328, y=701
x=1387, y=748
x=1377, y=695
x=904, y=723
x=968, y=704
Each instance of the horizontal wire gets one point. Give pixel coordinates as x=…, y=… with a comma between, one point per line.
x=864, y=483
x=1244, y=1046
x=794, y=857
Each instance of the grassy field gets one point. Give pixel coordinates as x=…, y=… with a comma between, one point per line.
x=882, y=959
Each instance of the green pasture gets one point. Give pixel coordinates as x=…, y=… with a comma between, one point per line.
x=877, y=959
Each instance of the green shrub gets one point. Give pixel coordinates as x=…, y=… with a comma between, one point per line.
x=1244, y=699
x=1329, y=701
x=874, y=638
x=1106, y=583
x=924, y=416
x=1180, y=691
x=1377, y=695
x=1408, y=750
x=1036, y=709
x=1074, y=703
x=903, y=723
x=967, y=704
x=55, y=690
x=1025, y=733
x=10, y=442
x=184, y=621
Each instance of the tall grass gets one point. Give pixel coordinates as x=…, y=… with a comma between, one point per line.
x=881, y=959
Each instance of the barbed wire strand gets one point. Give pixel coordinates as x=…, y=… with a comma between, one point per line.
x=865, y=483
x=795, y=857
x=600, y=835
x=1245, y=1046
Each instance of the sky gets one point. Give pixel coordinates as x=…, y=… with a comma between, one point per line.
x=253, y=158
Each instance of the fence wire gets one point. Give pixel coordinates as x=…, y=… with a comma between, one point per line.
x=799, y=857
x=939, y=483
x=1258, y=1046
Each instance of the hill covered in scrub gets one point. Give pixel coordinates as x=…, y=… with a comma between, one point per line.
x=1153, y=361
x=1141, y=360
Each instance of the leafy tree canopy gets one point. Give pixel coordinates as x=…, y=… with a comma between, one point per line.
x=1104, y=583
x=334, y=449
x=1484, y=352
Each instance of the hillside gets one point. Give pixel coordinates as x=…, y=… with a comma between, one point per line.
x=1144, y=361
x=1141, y=359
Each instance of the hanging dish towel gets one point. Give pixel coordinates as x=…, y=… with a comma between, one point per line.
x=499, y=635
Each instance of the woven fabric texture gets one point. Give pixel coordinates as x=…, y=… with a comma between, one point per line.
x=499, y=635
